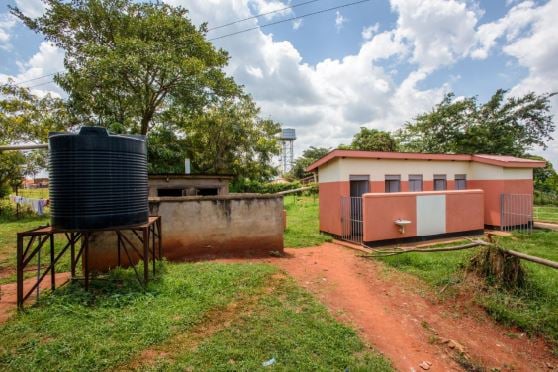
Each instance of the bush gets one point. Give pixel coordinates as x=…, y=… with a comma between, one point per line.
x=545, y=198
x=263, y=187
x=5, y=190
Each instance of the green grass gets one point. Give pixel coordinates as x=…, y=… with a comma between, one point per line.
x=533, y=308
x=303, y=226
x=546, y=213
x=111, y=326
x=9, y=227
x=41, y=193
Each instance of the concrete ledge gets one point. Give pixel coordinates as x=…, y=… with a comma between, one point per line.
x=420, y=193
x=213, y=197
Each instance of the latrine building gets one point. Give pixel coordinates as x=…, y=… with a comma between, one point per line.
x=376, y=197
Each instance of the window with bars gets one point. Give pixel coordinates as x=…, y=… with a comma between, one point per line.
x=393, y=183
x=440, y=182
x=415, y=182
x=460, y=182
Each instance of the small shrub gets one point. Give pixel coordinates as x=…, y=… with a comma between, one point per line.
x=263, y=187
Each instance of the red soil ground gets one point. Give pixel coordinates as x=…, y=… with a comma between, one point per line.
x=8, y=294
x=396, y=314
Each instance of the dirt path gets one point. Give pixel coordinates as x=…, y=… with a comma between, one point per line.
x=8, y=294
x=407, y=327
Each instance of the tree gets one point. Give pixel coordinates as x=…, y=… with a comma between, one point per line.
x=26, y=118
x=12, y=168
x=229, y=138
x=145, y=68
x=131, y=63
x=545, y=179
x=372, y=140
x=309, y=156
x=506, y=126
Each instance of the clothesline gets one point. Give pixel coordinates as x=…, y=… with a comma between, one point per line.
x=36, y=205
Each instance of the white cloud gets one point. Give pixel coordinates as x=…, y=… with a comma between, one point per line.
x=49, y=59
x=368, y=32
x=439, y=32
x=326, y=102
x=7, y=22
x=264, y=6
x=31, y=8
x=516, y=20
x=339, y=20
x=538, y=52
x=297, y=23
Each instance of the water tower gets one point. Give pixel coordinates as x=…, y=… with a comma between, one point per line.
x=288, y=136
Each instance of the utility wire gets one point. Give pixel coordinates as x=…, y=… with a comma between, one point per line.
x=289, y=19
x=238, y=32
x=38, y=85
x=210, y=29
x=37, y=78
x=263, y=14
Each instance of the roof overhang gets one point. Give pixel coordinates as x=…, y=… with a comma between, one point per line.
x=502, y=161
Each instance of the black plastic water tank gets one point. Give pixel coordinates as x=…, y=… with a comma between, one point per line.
x=97, y=180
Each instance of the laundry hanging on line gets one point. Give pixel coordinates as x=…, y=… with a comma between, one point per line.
x=36, y=205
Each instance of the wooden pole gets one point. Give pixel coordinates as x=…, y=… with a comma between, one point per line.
x=473, y=244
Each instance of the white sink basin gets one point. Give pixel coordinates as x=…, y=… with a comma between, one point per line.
x=402, y=223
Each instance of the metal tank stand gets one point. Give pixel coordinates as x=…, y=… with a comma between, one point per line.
x=30, y=244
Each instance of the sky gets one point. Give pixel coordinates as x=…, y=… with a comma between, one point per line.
x=375, y=64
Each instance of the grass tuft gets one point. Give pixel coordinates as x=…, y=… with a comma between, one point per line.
x=303, y=227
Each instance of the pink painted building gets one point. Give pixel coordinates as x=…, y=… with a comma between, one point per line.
x=391, y=196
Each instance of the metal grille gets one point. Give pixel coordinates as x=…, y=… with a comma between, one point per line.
x=351, y=219
x=516, y=212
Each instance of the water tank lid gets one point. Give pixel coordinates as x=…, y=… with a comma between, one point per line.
x=93, y=131
x=97, y=139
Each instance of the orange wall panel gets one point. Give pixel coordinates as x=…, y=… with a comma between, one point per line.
x=330, y=206
x=379, y=212
x=492, y=191
x=428, y=185
x=464, y=211
x=377, y=186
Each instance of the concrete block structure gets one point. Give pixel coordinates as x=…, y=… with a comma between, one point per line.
x=437, y=194
x=234, y=225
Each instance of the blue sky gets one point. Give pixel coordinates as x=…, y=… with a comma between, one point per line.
x=375, y=64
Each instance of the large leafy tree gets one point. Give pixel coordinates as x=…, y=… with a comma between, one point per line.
x=230, y=138
x=503, y=125
x=131, y=63
x=138, y=67
x=372, y=140
x=227, y=138
x=309, y=156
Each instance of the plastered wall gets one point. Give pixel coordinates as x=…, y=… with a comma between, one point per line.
x=430, y=213
x=196, y=227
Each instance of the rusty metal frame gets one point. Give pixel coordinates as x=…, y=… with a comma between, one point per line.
x=149, y=234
